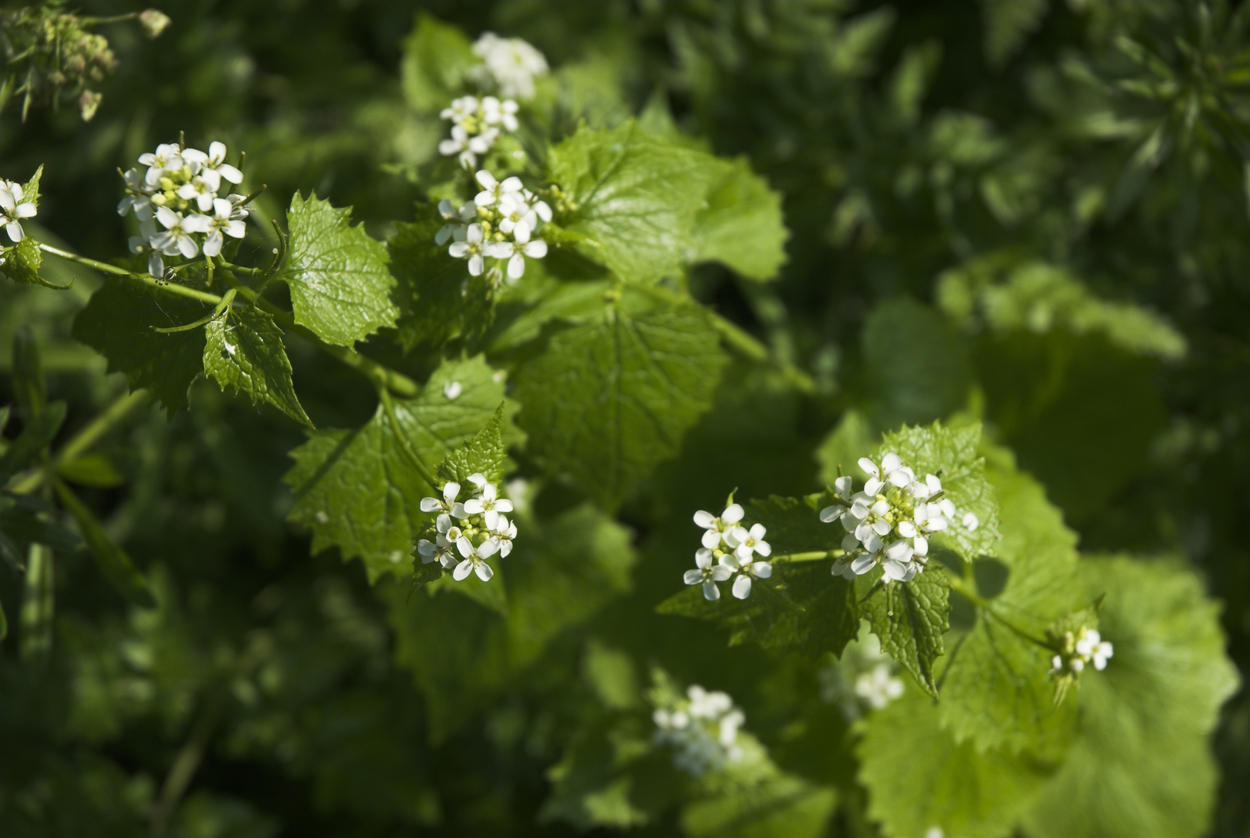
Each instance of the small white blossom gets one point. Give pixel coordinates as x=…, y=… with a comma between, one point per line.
x=450, y=491
x=488, y=504
x=971, y=522
x=451, y=390
x=461, y=110
x=707, y=573
x=511, y=63
x=716, y=527
x=746, y=542
x=166, y=158
x=475, y=558
x=702, y=729
x=494, y=190
x=495, y=112
x=878, y=687
x=471, y=249
x=516, y=251
x=467, y=147
x=747, y=569
x=457, y=221
x=223, y=220
x=1093, y=647
x=13, y=208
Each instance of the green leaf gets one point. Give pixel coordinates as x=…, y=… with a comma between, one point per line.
x=918, y=778
x=560, y=573
x=117, y=322
x=997, y=691
x=484, y=454
x=23, y=262
x=435, y=62
x=243, y=353
x=38, y=600
x=25, y=525
x=112, y=560
x=633, y=198
x=612, y=777
x=953, y=452
x=1008, y=26
x=915, y=364
x=438, y=300
x=95, y=470
x=1040, y=298
x=782, y=804
x=31, y=442
x=1141, y=763
x=742, y=225
x=340, y=285
x=609, y=399
x=910, y=619
x=357, y=490
x=30, y=386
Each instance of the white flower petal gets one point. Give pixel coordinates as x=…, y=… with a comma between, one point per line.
x=733, y=513
x=704, y=519
x=462, y=570
x=742, y=587
x=710, y=591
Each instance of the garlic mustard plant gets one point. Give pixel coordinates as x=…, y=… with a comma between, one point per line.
x=702, y=730
x=466, y=533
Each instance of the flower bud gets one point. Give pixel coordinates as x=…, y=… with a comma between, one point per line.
x=154, y=22
x=88, y=103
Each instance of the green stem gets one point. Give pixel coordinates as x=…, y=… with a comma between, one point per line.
x=810, y=556
x=83, y=440
x=405, y=445
x=968, y=592
x=146, y=279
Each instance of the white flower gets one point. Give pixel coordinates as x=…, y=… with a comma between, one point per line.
x=457, y=220
x=450, y=490
x=511, y=62
x=451, y=390
x=517, y=213
x=201, y=189
x=702, y=729
x=707, y=573
x=539, y=206
x=471, y=249
x=926, y=519
x=138, y=196
x=441, y=549
x=216, y=163
x=461, y=109
x=717, y=526
x=223, y=220
x=971, y=522
x=1092, y=646
x=167, y=157
x=877, y=687
x=475, y=558
x=747, y=568
x=504, y=532
x=488, y=504
x=467, y=147
x=178, y=230
x=898, y=564
x=516, y=251
x=13, y=209
x=493, y=190
x=745, y=542
x=503, y=113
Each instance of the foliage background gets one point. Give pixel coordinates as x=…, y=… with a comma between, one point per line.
x=1060, y=226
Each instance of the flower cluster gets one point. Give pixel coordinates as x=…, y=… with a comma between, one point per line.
x=1086, y=646
x=476, y=125
x=729, y=549
x=467, y=534
x=14, y=206
x=182, y=190
x=703, y=729
x=500, y=224
x=861, y=678
x=890, y=522
x=510, y=63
